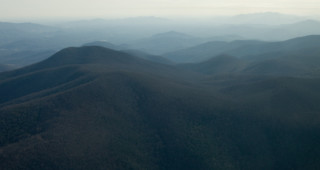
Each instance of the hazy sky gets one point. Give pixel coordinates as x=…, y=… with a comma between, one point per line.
x=133, y=8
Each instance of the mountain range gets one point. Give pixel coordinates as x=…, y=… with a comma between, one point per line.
x=165, y=42
x=238, y=92
x=92, y=107
x=248, y=49
x=23, y=44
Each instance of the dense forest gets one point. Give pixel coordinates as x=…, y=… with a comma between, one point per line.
x=93, y=107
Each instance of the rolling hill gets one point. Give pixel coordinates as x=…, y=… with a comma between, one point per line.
x=96, y=108
x=222, y=64
x=208, y=50
x=105, y=44
x=245, y=49
x=303, y=62
x=146, y=56
x=125, y=48
x=164, y=42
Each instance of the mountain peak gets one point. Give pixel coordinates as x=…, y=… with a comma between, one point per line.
x=88, y=55
x=101, y=43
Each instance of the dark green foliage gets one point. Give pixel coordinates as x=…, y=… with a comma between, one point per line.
x=95, y=108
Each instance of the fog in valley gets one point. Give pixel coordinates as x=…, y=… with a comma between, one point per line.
x=26, y=43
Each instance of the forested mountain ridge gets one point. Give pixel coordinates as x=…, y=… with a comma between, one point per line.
x=97, y=108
